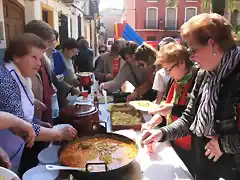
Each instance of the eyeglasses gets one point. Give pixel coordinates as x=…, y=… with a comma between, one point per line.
x=193, y=51
x=170, y=69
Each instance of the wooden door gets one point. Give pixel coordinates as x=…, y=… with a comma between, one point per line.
x=13, y=19
x=63, y=28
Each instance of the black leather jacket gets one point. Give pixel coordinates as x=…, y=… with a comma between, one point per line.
x=226, y=116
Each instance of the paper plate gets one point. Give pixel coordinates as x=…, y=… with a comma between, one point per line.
x=6, y=174
x=143, y=105
x=40, y=173
x=49, y=155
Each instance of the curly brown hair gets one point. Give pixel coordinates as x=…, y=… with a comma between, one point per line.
x=129, y=48
x=146, y=53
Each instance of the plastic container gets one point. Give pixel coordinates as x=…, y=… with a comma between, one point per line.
x=55, y=106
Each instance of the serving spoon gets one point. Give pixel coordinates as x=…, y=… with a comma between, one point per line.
x=55, y=167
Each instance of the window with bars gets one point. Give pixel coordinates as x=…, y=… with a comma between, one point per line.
x=171, y=18
x=190, y=12
x=152, y=18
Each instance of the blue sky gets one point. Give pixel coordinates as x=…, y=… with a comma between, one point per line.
x=118, y=4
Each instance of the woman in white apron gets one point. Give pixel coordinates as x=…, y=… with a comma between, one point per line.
x=18, y=126
x=22, y=60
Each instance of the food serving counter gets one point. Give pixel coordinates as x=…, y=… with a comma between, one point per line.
x=163, y=164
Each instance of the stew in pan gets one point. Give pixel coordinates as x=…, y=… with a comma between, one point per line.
x=113, y=152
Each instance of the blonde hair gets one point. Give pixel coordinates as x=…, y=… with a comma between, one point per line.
x=207, y=26
x=172, y=52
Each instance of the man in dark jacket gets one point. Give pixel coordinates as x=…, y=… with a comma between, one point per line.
x=84, y=59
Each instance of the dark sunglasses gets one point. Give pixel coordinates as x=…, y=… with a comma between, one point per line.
x=101, y=51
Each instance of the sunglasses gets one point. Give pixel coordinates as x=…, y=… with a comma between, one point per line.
x=103, y=51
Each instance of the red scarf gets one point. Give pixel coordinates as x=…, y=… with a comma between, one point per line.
x=116, y=66
x=184, y=142
x=47, y=95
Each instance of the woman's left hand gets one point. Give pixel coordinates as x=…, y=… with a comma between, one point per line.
x=212, y=148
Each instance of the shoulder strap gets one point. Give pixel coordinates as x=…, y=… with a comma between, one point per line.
x=133, y=74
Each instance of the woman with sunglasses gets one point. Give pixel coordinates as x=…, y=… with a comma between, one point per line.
x=212, y=114
x=101, y=50
x=174, y=58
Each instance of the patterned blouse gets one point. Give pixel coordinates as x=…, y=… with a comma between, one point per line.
x=10, y=97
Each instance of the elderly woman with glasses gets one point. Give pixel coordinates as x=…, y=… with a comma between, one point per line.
x=212, y=114
x=174, y=58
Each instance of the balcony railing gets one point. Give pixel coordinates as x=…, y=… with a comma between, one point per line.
x=171, y=25
x=158, y=25
x=67, y=1
x=151, y=24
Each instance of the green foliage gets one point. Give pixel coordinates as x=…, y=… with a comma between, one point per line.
x=233, y=4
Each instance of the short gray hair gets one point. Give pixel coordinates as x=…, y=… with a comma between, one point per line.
x=165, y=41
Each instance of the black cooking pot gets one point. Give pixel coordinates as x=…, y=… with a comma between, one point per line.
x=120, y=97
x=81, y=116
x=87, y=175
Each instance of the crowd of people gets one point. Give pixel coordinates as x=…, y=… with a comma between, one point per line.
x=196, y=85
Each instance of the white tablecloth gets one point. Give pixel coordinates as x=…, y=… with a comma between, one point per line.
x=163, y=164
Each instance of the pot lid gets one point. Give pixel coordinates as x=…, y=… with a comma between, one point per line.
x=78, y=109
x=84, y=73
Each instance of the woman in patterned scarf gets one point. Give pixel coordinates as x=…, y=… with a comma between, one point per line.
x=174, y=58
x=212, y=114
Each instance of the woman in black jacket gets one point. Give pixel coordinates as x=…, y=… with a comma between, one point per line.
x=212, y=114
